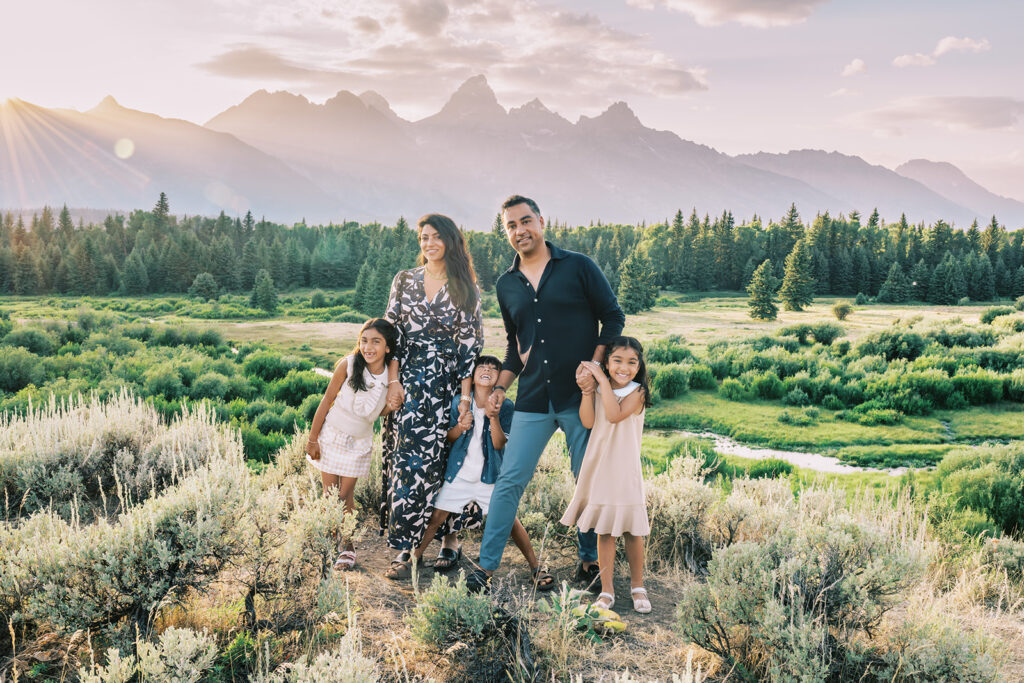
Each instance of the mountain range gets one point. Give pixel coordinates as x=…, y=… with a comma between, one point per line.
x=353, y=157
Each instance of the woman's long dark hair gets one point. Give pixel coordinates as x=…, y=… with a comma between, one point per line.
x=457, y=260
x=390, y=334
x=641, y=373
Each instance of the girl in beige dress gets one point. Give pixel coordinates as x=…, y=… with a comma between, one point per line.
x=609, y=497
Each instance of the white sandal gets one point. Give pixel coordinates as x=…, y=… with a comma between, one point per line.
x=599, y=605
x=346, y=560
x=641, y=605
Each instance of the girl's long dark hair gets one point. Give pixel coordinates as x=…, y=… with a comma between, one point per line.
x=390, y=334
x=457, y=260
x=641, y=373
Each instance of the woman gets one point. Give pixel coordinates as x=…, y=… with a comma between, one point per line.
x=436, y=309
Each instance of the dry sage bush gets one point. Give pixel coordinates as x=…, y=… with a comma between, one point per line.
x=85, y=455
x=177, y=656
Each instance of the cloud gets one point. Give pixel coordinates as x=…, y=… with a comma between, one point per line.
x=759, y=13
x=944, y=46
x=424, y=17
x=857, y=66
x=844, y=92
x=420, y=51
x=367, y=24
x=952, y=113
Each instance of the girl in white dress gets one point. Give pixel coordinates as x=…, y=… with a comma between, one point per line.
x=341, y=436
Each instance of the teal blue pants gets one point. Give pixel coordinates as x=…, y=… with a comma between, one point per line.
x=529, y=435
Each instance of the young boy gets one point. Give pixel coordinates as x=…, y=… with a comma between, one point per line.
x=478, y=442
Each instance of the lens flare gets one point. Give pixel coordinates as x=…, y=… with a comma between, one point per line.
x=124, y=148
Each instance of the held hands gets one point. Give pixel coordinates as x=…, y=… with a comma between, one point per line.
x=396, y=395
x=466, y=421
x=586, y=379
x=597, y=375
x=494, y=401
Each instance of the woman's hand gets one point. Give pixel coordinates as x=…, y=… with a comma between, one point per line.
x=313, y=449
x=466, y=421
x=396, y=395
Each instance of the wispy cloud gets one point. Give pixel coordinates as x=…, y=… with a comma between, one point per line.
x=748, y=12
x=944, y=46
x=526, y=49
x=857, y=66
x=952, y=113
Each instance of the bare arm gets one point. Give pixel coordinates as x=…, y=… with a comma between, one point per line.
x=467, y=390
x=586, y=382
x=615, y=412
x=497, y=397
x=464, y=424
x=333, y=387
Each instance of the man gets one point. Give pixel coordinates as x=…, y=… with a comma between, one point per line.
x=552, y=302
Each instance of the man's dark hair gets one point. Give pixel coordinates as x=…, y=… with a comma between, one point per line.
x=519, y=199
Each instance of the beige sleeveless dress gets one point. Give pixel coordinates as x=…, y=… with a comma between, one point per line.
x=609, y=496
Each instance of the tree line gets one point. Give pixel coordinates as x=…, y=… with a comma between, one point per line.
x=157, y=252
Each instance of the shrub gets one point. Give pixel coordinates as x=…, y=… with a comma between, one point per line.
x=862, y=299
x=266, y=365
x=964, y=301
x=826, y=333
x=701, y=377
x=796, y=397
x=671, y=382
x=163, y=380
x=892, y=343
x=801, y=331
x=769, y=468
x=209, y=385
x=1019, y=303
x=168, y=336
x=979, y=386
x=83, y=577
x=735, y=390
x=345, y=663
x=209, y=337
x=447, y=612
x=32, y=340
x=832, y=402
x=671, y=349
x=790, y=607
x=842, y=310
x=318, y=300
x=767, y=385
x=18, y=369
x=989, y=479
x=1015, y=385
x=679, y=504
x=296, y=386
x=180, y=655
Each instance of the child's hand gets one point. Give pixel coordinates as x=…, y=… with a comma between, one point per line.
x=596, y=372
x=313, y=449
x=396, y=395
x=585, y=379
x=466, y=421
x=490, y=410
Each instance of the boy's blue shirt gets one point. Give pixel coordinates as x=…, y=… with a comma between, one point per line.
x=492, y=455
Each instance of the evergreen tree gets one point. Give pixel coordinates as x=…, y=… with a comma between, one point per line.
x=134, y=278
x=380, y=288
x=65, y=226
x=363, y=298
x=204, y=287
x=920, y=278
x=895, y=289
x=251, y=264
x=225, y=269
x=762, y=288
x=264, y=295
x=983, y=278
x=26, y=272
x=1018, y=282
x=6, y=270
x=638, y=287
x=162, y=211
x=798, y=281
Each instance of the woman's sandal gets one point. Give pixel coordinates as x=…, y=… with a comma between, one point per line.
x=346, y=560
x=588, y=575
x=542, y=579
x=447, y=559
x=401, y=567
x=641, y=605
x=600, y=602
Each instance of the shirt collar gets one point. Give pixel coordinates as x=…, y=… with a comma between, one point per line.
x=557, y=254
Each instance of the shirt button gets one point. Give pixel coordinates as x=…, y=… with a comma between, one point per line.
x=545, y=362
x=535, y=300
x=549, y=381
x=541, y=341
x=538, y=319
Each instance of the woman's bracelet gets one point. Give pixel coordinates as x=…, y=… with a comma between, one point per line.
x=464, y=398
x=390, y=382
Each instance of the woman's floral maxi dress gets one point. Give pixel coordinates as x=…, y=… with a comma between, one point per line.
x=437, y=346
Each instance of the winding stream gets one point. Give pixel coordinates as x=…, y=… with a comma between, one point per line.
x=812, y=461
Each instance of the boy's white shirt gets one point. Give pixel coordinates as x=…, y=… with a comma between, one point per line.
x=473, y=465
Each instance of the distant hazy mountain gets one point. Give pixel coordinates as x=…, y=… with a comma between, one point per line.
x=950, y=182
x=56, y=157
x=353, y=157
x=864, y=186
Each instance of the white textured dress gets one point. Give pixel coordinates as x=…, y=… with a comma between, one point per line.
x=609, y=497
x=346, y=437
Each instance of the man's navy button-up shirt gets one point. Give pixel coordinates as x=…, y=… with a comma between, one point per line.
x=555, y=327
